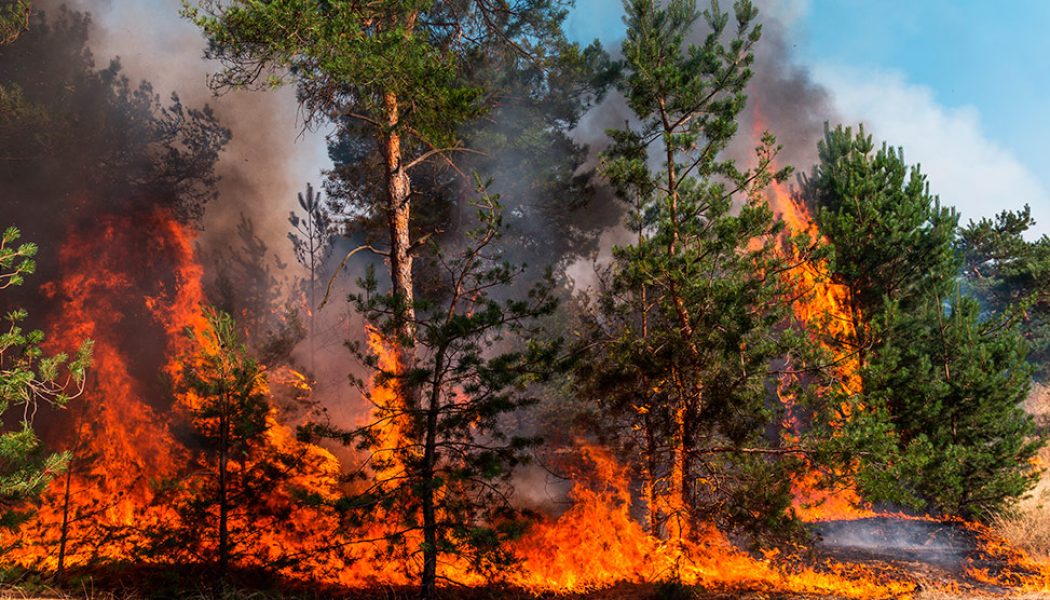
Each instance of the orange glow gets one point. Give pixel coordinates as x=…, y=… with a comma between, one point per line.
x=121, y=433
x=598, y=543
x=122, y=436
x=1013, y=568
x=825, y=309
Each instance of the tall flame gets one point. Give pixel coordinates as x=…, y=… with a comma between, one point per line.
x=119, y=440
x=120, y=432
x=824, y=307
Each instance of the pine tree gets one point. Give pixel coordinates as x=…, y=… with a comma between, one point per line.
x=936, y=424
x=1011, y=276
x=438, y=471
x=524, y=140
x=697, y=310
x=394, y=68
x=239, y=491
x=954, y=385
x=890, y=239
x=312, y=242
x=27, y=377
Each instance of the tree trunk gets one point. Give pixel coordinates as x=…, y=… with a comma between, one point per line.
x=311, y=224
x=224, y=455
x=680, y=509
x=429, y=506
x=398, y=209
x=649, y=487
x=678, y=522
x=63, y=537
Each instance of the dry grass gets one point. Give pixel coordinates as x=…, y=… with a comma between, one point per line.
x=934, y=595
x=1028, y=526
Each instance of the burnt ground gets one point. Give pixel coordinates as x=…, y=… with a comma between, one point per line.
x=935, y=553
x=938, y=545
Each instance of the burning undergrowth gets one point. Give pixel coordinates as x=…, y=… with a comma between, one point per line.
x=126, y=272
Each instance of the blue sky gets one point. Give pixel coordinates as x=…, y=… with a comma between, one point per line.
x=962, y=85
x=994, y=56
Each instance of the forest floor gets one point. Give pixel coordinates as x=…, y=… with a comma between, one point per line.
x=933, y=557
x=622, y=592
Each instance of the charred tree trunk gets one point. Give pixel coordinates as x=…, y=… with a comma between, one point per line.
x=63, y=536
x=427, y=499
x=67, y=496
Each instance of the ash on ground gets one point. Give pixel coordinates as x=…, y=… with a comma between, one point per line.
x=938, y=544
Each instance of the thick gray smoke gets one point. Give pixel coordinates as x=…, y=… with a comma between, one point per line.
x=782, y=97
x=270, y=156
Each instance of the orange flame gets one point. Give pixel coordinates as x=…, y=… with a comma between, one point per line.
x=824, y=307
x=597, y=543
x=121, y=440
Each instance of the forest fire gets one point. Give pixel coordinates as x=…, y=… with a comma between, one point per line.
x=124, y=440
x=731, y=402
x=117, y=438
x=825, y=306
x=599, y=544
x=124, y=444
x=123, y=434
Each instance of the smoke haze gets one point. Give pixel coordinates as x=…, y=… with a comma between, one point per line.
x=270, y=156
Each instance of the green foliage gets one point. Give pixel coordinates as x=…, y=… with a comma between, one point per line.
x=697, y=311
x=241, y=490
x=28, y=376
x=15, y=262
x=890, y=239
x=446, y=63
x=347, y=58
x=1011, y=276
x=953, y=386
x=937, y=425
x=14, y=19
x=523, y=139
x=229, y=386
x=335, y=48
x=441, y=441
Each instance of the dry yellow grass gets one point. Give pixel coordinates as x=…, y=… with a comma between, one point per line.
x=1028, y=525
x=960, y=596
x=1027, y=528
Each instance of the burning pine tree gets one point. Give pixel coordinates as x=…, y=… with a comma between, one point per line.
x=746, y=355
